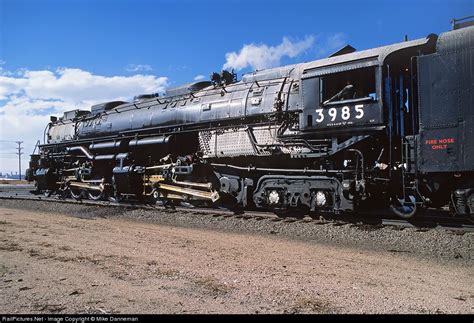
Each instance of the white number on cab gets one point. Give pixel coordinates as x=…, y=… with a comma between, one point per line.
x=359, y=110
x=345, y=113
x=320, y=115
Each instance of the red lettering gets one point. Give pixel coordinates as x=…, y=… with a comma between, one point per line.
x=439, y=142
x=446, y=141
x=436, y=147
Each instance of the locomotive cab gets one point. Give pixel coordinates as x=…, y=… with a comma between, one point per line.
x=366, y=103
x=339, y=100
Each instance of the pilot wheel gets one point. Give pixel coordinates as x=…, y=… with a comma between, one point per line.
x=403, y=208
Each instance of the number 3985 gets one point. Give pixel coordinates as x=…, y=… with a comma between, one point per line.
x=345, y=113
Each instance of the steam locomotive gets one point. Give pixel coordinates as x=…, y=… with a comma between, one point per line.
x=384, y=128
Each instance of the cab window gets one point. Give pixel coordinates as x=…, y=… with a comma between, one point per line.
x=348, y=85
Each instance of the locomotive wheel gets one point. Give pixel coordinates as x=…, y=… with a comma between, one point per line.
x=169, y=204
x=163, y=201
x=76, y=193
x=63, y=192
x=403, y=209
x=47, y=193
x=36, y=190
x=228, y=202
x=116, y=197
x=95, y=195
x=155, y=197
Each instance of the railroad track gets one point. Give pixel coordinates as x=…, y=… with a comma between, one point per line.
x=437, y=220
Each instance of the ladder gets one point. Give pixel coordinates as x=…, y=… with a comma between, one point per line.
x=409, y=168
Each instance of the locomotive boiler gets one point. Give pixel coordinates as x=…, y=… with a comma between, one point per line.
x=383, y=128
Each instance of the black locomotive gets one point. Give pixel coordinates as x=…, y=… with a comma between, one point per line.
x=389, y=127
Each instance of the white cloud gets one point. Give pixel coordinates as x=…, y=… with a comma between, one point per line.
x=75, y=85
x=264, y=56
x=199, y=77
x=29, y=97
x=332, y=43
x=138, y=68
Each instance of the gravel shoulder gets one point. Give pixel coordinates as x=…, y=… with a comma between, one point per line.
x=58, y=258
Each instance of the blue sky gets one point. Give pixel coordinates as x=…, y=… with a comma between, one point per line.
x=182, y=39
x=58, y=55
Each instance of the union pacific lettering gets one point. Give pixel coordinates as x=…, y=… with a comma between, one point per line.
x=437, y=144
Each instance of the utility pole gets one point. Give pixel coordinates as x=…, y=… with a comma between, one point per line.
x=19, y=153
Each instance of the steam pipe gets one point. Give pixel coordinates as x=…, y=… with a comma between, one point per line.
x=280, y=170
x=105, y=145
x=358, y=152
x=104, y=157
x=84, y=150
x=149, y=141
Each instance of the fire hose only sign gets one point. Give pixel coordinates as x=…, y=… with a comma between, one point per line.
x=439, y=144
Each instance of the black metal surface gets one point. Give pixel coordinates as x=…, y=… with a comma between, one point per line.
x=446, y=104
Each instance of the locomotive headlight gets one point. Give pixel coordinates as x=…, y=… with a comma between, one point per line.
x=320, y=198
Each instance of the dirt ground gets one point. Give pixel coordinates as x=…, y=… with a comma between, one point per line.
x=55, y=263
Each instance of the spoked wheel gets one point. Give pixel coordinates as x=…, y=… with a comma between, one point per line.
x=162, y=200
x=95, y=195
x=228, y=202
x=76, y=193
x=169, y=203
x=116, y=197
x=48, y=193
x=404, y=209
x=63, y=192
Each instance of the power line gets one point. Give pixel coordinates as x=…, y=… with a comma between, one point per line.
x=19, y=153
